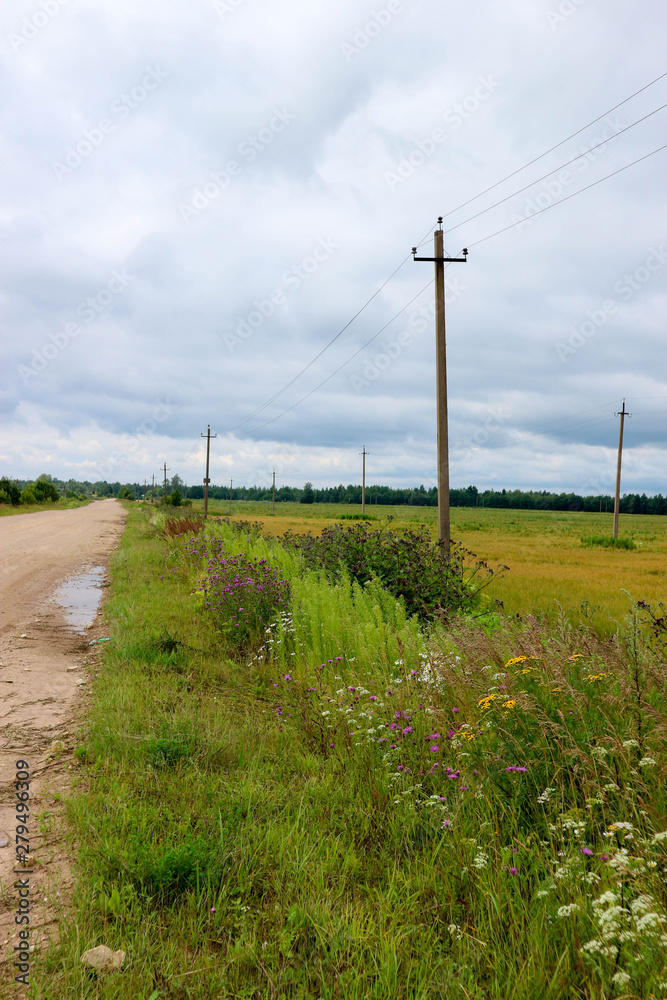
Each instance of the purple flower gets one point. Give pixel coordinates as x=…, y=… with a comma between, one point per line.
x=433, y=736
x=373, y=697
x=213, y=909
x=435, y=748
x=287, y=677
x=587, y=851
x=604, y=857
x=351, y=689
x=463, y=788
x=413, y=672
x=450, y=734
x=447, y=823
x=332, y=744
x=455, y=710
x=514, y=871
x=408, y=729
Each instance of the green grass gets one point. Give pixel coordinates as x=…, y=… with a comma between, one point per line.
x=609, y=543
x=7, y=510
x=550, y=569
x=241, y=833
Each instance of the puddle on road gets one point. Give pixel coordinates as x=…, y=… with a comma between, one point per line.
x=80, y=597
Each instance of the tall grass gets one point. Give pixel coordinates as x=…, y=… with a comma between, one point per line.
x=366, y=809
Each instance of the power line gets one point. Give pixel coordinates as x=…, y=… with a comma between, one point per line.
x=567, y=197
x=562, y=165
x=476, y=243
x=451, y=212
x=558, y=144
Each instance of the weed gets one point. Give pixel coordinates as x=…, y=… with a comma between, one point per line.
x=608, y=542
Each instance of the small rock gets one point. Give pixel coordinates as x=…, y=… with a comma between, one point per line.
x=80, y=683
x=26, y=670
x=103, y=959
x=4, y=839
x=75, y=667
x=56, y=748
x=24, y=635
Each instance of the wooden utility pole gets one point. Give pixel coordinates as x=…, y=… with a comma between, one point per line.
x=208, y=436
x=231, y=484
x=363, y=480
x=144, y=496
x=617, y=498
x=273, y=499
x=153, y=488
x=164, y=488
x=441, y=381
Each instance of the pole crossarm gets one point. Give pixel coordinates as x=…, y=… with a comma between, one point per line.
x=443, y=260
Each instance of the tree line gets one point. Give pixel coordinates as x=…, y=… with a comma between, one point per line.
x=46, y=489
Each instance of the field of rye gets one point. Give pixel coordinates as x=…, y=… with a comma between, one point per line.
x=291, y=787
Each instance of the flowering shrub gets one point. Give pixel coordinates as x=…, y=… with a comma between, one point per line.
x=245, y=595
x=408, y=565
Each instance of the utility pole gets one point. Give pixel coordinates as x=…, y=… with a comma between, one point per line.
x=144, y=496
x=273, y=500
x=207, y=480
x=164, y=488
x=441, y=381
x=617, y=499
x=363, y=480
x=231, y=484
x=153, y=489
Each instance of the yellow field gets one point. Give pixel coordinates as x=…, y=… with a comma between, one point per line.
x=543, y=549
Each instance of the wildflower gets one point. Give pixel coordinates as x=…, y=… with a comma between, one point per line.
x=604, y=857
x=587, y=851
x=351, y=689
x=413, y=672
x=620, y=826
x=514, y=871
x=455, y=710
x=568, y=910
x=509, y=704
x=647, y=762
x=659, y=837
x=576, y=656
x=213, y=909
x=516, y=659
x=287, y=677
x=447, y=823
x=435, y=748
x=620, y=978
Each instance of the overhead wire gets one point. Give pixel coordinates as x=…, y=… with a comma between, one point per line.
x=475, y=243
x=447, y=214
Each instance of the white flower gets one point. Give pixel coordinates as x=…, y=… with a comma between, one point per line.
x=481, y=860
x=630, y=743
x=607, y=897
x=621, y=979
x=611, y=787
x=621, y=826
x=659, y=837
x=650, y=923
x=598, y=948
x=647, y=762
x=544, y=797
x=568, y=910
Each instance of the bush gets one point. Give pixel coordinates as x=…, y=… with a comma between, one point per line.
x=125, y=493
x=175, y=499
x=28, y=495
x=245, y=595
x=408, y=565
x=45, y=491
x=607, y=542
x=9, y=492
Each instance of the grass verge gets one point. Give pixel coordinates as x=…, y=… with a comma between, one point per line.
x=364, y=809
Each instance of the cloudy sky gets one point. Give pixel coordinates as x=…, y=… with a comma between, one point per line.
x=199, y=196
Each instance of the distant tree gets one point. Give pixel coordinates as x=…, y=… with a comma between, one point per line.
x=9, y=492
x=44, y=489
x=175, y=498
x=308, y=495
x=125, y=493
x=28, y=495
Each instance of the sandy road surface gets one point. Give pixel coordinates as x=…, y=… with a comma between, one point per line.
x=43, y=664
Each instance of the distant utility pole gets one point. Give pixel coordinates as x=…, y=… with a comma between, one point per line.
x=153, y=489
x=164, y=488
x=208, y=436
x=441, y=381
x=144, y=496
x=617, y=499
x=231, y=484
x=273, y=500
x=363, y=480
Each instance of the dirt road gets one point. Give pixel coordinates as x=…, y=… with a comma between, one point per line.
x=43, y=660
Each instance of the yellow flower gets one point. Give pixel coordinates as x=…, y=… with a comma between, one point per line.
x=517, y=659
x=577, y=656
x=526, y=670
x=468, y=736
x=509, y=704
x=595, y=677
x=485, y=702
